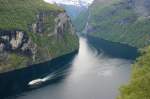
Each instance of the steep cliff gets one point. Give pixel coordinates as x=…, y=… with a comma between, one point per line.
x=31, y=32
x=124, y=21
x=78, y=15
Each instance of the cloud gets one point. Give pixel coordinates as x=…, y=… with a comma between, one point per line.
x=71, y=2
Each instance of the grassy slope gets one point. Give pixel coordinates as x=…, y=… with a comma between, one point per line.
x=106, y=19
x=19, y=14
x=135, y=33
x=139, y=85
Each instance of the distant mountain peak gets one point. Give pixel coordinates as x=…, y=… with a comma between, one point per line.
x=71, y=2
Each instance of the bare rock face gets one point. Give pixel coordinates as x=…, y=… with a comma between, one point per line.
x=39, y=43
x=141, y=7
x=25, y=41
x=42, y=21
x=2, y=47
x=18, y=41
x=15, y=41
x=62, y=24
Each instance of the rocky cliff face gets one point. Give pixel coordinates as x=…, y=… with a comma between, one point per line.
x=15, y=40
x=50, y=35
x=142, y=7
x=124, y=21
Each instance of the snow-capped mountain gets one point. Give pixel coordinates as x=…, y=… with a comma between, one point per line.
x=71, y=2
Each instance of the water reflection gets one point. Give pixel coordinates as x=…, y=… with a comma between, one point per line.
x=114, y=49
x=91, y=75
x=50, y=72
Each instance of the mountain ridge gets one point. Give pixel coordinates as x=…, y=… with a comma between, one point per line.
x=120, y=21
x=31, y=32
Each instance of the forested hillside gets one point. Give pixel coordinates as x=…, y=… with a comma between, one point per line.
x=138, y=87
x=33, y=31
x=127, y=22
x=124, y=21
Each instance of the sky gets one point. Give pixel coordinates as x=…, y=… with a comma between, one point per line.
x=71, y=2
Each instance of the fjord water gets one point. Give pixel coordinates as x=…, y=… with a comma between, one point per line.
x=90, y=75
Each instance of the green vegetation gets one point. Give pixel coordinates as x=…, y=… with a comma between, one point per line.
x=18, y=14
x=21, y=15
x=52, y=47
x=81, y=20
x=13, y=62
x=139, y=85
x=118, y=22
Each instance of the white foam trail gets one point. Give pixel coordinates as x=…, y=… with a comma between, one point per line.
x=58, y=73
x=47, y=78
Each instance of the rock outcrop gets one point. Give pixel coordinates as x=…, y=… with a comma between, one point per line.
x=48, y=36
x=15, y=40
x=63, y=24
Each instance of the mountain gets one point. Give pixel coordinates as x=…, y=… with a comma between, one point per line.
x=71, y=2
x=78, y=15
x=73, y=10
x=124, y=21
x=76, y=9
x=81, y=20
x=32, y=32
